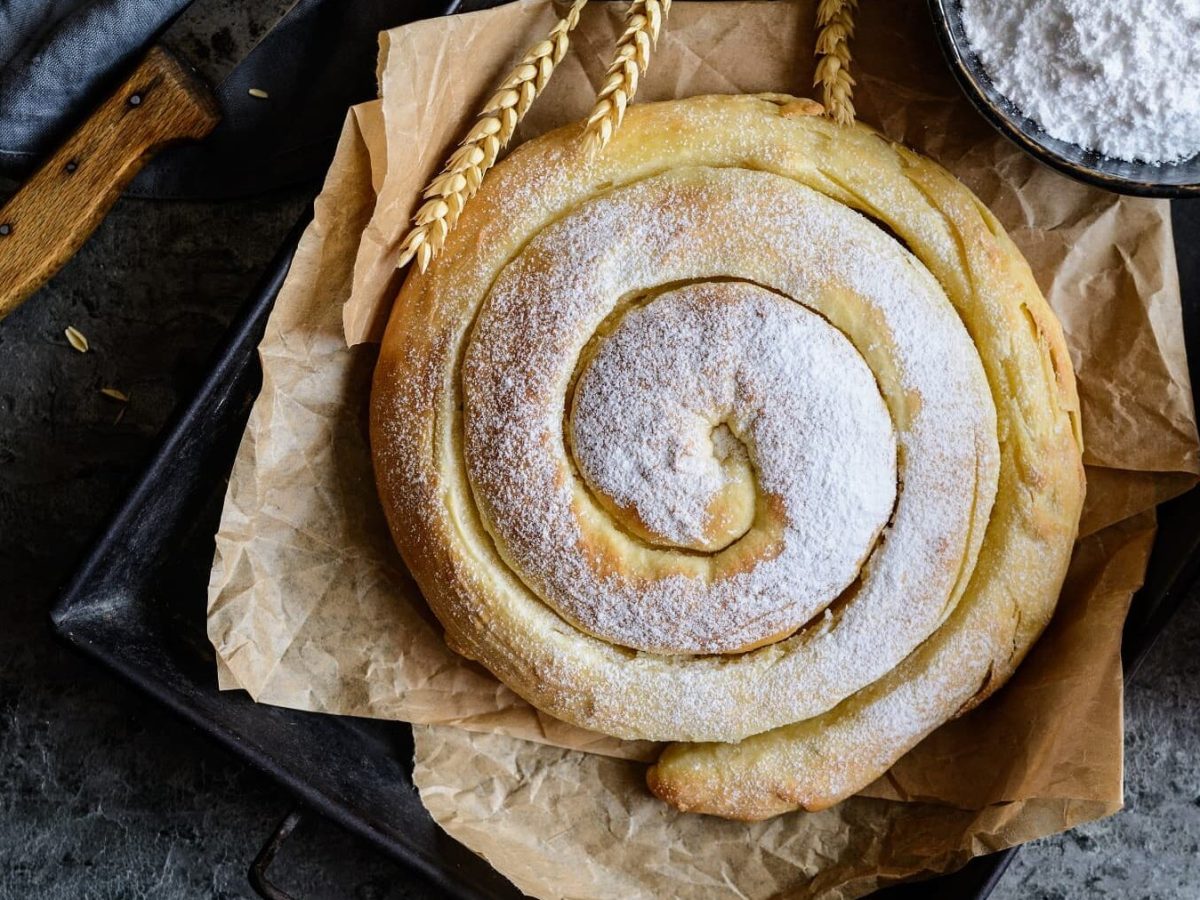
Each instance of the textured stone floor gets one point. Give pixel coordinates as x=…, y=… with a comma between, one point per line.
x=104, y=795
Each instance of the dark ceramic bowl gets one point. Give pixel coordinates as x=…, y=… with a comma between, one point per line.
x=1144, y=179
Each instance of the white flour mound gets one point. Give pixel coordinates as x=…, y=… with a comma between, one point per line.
x=1118, y=76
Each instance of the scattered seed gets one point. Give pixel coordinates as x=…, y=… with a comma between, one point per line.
x=76, y=339
x=259, y=93
x=120, y=415
x=115, y=394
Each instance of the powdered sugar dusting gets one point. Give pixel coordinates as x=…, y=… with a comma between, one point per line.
x=539, y=261
x=699, y=225
x=736, y=360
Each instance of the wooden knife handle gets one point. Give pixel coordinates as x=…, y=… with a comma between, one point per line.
x=58, y=208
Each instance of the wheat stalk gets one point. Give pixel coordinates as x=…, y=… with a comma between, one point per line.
x=643, y=21
x=448, y=192
x=835, y=24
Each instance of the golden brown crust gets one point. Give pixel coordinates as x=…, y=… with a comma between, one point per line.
x=1005, y=578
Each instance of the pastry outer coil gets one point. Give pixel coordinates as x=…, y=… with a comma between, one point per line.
x=752, y=434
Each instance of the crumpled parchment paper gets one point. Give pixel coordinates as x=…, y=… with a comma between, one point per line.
x=310, y=606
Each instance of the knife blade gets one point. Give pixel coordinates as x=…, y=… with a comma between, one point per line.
x=214, y=36
x=162, y=101
x=320, y=60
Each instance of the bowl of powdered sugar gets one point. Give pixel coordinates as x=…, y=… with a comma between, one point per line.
x=1107, y=91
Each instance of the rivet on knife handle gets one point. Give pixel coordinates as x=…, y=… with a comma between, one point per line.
x=58, y=208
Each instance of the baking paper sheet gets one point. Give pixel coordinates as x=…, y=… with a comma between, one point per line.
x=310, y=606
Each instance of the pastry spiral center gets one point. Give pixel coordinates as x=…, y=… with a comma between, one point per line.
x=711, y=393
x=704, y=469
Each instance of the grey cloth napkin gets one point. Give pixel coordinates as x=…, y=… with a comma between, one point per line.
x=58, y=58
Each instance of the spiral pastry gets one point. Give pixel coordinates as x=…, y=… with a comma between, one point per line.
x=751, y=434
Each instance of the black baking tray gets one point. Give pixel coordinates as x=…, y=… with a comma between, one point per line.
x=137, y=605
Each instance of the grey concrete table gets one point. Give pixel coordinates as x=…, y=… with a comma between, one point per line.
x=104, y=795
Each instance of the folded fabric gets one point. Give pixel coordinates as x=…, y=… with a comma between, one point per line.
x=57, y=57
